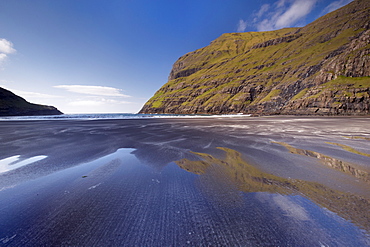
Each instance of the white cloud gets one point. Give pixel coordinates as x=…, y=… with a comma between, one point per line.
x=286, y=13
x=93, y=90
x=335, y=5
x=242, y=26
x=298, y=10
x=6, y=46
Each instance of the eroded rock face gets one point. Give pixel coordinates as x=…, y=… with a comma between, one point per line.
x=323, y=68
x=13, y=105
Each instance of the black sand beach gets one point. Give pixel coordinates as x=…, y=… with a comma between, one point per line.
x=243, y=181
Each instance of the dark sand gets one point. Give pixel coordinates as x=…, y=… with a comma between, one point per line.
x=275, y=181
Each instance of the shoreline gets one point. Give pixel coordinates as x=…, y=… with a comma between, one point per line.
x=123, y=172
x=113, y=116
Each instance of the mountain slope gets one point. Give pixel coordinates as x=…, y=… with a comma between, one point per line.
x=13, y=105
x=322, y=68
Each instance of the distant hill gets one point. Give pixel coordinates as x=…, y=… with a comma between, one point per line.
x=13, y=105
x=322, y=68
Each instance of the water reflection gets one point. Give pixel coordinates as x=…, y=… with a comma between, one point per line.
x=248, y=178
x=337, y=164
x=349, y=149
x=16, y=162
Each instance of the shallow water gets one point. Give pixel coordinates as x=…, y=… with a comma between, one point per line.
x=165, y=182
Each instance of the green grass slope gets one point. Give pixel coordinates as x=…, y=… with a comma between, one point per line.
x=285, y=71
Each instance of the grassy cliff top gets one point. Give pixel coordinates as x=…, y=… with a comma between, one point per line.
x=248, y=72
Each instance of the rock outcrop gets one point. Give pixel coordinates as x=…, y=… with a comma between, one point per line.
x=322, y=68
x=13, y=105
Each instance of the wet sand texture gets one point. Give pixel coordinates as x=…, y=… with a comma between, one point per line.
x=271, y=181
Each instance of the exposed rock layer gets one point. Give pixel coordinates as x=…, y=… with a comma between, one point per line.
x=322, y=68
x=13, y=105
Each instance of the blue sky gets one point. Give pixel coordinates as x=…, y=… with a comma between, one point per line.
x=95, y=56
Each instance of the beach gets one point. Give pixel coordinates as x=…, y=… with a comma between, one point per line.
x=211, y=181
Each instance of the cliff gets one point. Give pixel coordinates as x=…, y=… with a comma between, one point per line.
x=322, y=68
x=13, y=105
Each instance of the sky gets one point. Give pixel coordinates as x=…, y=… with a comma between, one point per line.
x=97, y=56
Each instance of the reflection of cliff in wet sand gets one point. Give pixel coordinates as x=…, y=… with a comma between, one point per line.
x=357, y=137
x=337, y=164
x=349, y=149
x=250, y=179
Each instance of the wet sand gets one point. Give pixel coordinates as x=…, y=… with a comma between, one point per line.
x=269, y=181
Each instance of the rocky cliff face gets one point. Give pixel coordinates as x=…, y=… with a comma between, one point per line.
x=322, y=68
x=13, y=105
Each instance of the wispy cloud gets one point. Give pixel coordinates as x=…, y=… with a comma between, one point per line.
x=264, y=8
x=34, y=95
x=242, y=25
x=97, y=102
x=108, y=101
x=28, y=95
x=282, y=13
x=6, y=47
x=2, y=57
x=93, y=90
x=5, y=81
x=335, y=5
x=86, y=103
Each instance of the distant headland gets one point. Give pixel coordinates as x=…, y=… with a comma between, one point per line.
x=13, y=105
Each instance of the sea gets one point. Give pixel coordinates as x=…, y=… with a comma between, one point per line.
x=114, y=116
